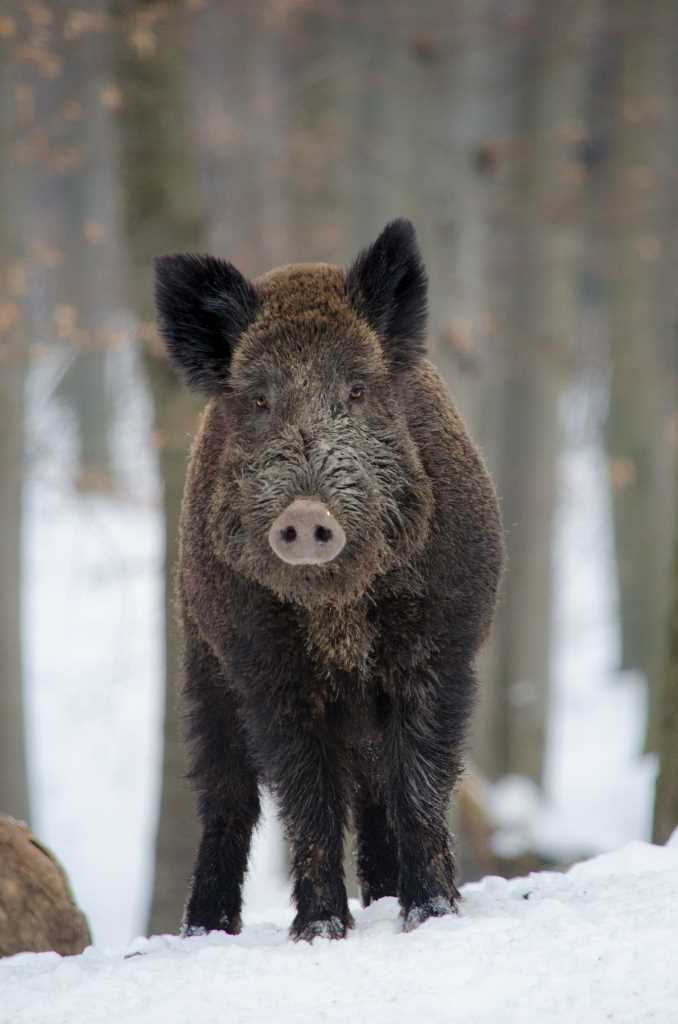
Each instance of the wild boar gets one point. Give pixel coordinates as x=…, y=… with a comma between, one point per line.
x=341, y=549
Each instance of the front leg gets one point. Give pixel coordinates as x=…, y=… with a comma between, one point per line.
x=227, y=789
x=425, y=740
x=305, y=772
x=314, y=812
x=292, y=736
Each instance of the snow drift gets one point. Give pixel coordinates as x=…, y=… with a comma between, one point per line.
x=596, y=944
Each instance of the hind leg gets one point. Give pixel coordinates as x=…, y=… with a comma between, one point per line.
x=227, y=791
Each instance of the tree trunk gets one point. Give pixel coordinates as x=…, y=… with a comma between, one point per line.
x=14, y=797
x=177, y=835
x=641, y=226
x=666, y=805
x=163, y=214
x=74, y=209
x=539, y=253
x=13, y=362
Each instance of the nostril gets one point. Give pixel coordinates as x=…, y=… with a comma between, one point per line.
x=306, y=533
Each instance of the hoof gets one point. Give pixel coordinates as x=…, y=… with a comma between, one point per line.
x=324, y=928
x=438, y=906
x=230, y=925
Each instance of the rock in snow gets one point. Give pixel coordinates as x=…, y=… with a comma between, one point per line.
x=597, y=944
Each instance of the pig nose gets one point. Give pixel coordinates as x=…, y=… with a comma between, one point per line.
x=306, y=533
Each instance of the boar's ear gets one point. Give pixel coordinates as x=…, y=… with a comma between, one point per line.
x=204, y=305
x=387, y=285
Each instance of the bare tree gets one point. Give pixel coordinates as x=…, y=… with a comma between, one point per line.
x=87, y=199
x=13, y=366
x=666, y=805
x=641, y=227
x=14, y=336
x=163, y=214
x=536, y=262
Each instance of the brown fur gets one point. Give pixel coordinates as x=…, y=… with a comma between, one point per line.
x=348, y=685
x=37, y=909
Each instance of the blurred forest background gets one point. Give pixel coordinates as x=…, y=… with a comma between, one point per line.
x=535, y=146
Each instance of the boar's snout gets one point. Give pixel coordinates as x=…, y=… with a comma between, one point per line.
x=306, y=533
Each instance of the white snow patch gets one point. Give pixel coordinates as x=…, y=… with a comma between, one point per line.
x=93, y=640
x=267, y=881
x=592, y=945
x=598, y=785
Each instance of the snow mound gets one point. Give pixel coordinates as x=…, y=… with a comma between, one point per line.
x=595, y=944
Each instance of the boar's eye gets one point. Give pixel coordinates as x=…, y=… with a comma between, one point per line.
x=261, y=402
x=357, y=393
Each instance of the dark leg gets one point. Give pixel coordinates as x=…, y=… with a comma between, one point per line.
x=314, y=814
x=306, y=779
x=427, y=876
x=426, y=740
x=227, y=790
x=378, y=869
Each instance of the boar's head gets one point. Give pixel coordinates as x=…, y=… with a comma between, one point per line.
x=319, y=487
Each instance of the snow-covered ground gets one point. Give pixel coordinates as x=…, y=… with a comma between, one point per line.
x=597, y=944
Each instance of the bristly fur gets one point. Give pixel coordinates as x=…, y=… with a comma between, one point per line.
x=37, y=909
x=346, y=687
x=387, y=284
x=204, y=305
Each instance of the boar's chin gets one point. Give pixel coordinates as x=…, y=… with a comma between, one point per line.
x=315, y=585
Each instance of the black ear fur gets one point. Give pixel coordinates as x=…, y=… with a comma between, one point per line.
x=204, y=304
x=387, y=285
